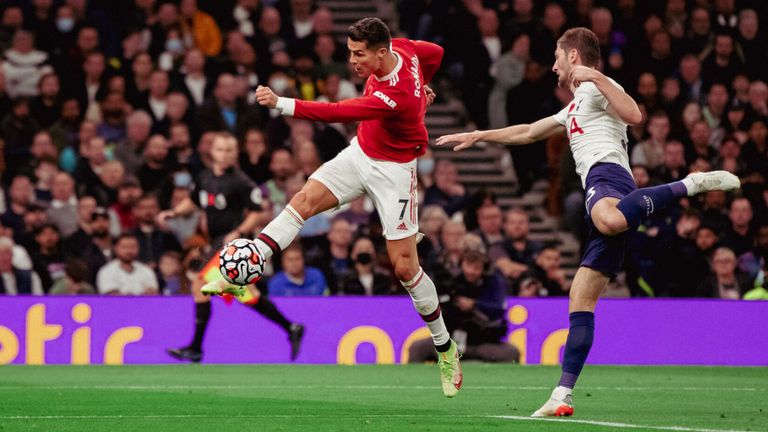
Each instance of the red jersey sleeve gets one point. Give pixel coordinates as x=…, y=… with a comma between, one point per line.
x=430, y=55
x=376, y=106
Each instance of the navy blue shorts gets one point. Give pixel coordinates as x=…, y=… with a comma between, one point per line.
x=605, y=253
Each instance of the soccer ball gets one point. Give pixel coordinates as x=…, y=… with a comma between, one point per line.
x=240, y=262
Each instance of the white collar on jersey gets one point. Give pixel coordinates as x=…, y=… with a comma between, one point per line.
x=394, y=72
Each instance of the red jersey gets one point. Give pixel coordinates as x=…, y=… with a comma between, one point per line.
x=391, y=110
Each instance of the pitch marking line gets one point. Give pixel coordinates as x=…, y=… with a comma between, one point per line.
x=615, y=425
x=290, y=416
x=360, y=387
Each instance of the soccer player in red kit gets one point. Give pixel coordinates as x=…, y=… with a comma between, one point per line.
x=380, y=162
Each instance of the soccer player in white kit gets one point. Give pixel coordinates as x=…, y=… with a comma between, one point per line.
x=595, y=122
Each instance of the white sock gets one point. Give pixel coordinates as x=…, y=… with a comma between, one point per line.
x=279, y=233
x=424, y=296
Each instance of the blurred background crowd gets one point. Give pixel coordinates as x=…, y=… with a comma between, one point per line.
x=108, y=110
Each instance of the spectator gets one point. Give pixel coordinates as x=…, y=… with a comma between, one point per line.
x=124, y=275
x=650, y=152
x=182, y=226
x=357, y=214
x=156, y=167
x=673, y=167
x=283, y=168
x=226, y=111
x=46, y=106
x=296, y=279
x=699, y=143
x=156, y=102
x=722, y=64
x=447, y=192
x=365, y=277
x=690, y=74
x=21, y=197
x=489, y=220
x=332, y=256
x=18, y=129
x=62, y=210
x=194, y=83
x=170, y=270
x=129, y=151
x=45, y=169
x=92, y=241
x=724, y=281
x=74, y=281
x=94, y=157
x=699, y=36
x=750, y=40
x=15, y=281
x=92, y=85
x=546, y=270
x=714, y=211
x=738, y=236
x=515, y=254
x=200, y=27
x=474, y=314
x=154, y=242
x=24, y=65
x=137, y=86
x=48, y=258
x=446, y=265
x=128, y=193
x=254, y=159
x=113, y=111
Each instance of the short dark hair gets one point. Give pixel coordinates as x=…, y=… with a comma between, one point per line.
x=372, y=31
x=76, y=269
x=584, y=42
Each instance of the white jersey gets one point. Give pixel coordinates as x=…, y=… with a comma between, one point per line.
x=594, y=134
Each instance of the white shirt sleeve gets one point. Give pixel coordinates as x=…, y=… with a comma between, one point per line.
x=151, y=280
x=286, y=105
x=105, y=282
x=562, y=116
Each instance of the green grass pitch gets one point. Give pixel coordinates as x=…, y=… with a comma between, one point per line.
x=374, y=398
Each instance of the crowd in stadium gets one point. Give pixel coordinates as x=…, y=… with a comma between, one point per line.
x=108, y=111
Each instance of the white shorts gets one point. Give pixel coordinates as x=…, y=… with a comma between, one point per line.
x=390, y=185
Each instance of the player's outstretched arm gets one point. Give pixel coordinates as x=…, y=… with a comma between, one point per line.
x=360, y=108
x=512, y=135
x=620, y=104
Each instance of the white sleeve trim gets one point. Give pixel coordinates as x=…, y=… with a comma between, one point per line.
x=286, y=105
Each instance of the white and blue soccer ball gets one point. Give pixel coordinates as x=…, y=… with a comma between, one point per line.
x=240, y=262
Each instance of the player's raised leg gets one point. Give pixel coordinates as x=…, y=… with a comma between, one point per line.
x=422, y=290
x=614, y=217
x=312, y=199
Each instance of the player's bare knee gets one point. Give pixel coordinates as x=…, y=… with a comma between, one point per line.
x=405, y=271
x=302, y=203
x=610, y=223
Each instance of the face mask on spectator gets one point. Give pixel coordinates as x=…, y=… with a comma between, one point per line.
x=278, y=85
x=65, y=25
x=364, y=258
x=425, y=166
x=174, y=46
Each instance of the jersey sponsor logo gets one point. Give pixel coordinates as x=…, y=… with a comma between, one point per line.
x=414, y=69
x=386, y=99
x=218, y=201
